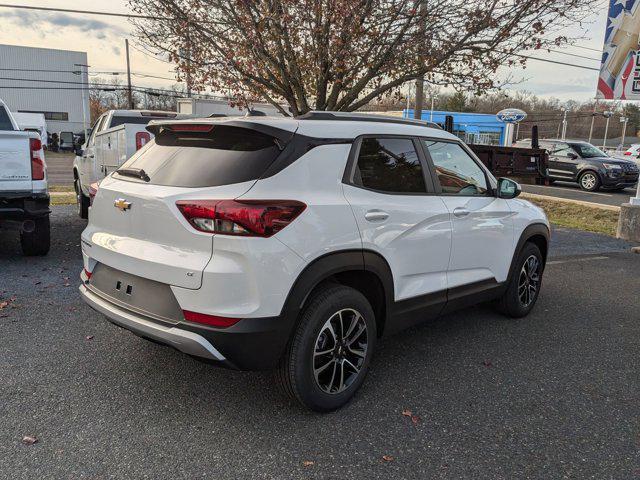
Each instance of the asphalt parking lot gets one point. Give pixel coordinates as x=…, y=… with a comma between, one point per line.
x=555, y=395
x=572, y=191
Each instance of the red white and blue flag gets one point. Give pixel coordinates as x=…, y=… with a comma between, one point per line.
x=620, y=69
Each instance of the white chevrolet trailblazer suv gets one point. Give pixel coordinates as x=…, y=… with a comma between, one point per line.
x=295, y=243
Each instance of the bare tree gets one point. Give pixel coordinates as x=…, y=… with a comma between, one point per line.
x=341, y=54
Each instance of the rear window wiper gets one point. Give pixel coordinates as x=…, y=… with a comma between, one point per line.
x=135, y=173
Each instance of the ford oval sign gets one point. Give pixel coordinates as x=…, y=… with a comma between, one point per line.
x=511, y=115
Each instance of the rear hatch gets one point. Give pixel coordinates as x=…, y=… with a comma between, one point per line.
x=135, y=225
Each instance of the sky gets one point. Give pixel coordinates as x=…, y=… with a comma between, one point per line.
x=103, y=39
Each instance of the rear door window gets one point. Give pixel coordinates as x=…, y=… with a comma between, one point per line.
x=222, y=156
x=389, y=165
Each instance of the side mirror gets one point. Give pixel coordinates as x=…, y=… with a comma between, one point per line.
x=79, y=151
x=572, y=156
x=507, y=188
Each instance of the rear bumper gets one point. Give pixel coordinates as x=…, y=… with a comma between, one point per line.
x=251, y=344
x=183, y=340
x=21, y=205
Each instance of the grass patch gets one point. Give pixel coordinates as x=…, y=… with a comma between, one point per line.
x=61, y=188
x=581, y=217
x=68, y=199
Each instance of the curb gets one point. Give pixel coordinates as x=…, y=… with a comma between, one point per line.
x=535, y=196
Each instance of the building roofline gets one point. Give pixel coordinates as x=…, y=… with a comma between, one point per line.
x=42, y=48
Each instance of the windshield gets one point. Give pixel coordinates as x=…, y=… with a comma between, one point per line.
x=586, y=150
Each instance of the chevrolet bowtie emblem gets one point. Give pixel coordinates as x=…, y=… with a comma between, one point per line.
x=122, y=205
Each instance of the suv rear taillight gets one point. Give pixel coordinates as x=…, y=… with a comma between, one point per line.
x=248, y=218
x=37, y=162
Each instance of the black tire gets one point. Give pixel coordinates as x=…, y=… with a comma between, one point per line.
x=297, y=369
x=37, y=242
x=512, y=302
x=589, y=181
x=82, y=201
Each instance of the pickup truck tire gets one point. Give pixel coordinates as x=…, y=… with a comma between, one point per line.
x=37, y=242
x=82, y=201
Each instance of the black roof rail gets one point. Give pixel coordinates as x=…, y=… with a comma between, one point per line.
x=365, y=117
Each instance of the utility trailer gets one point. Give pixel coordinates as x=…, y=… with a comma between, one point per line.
x=527, y=165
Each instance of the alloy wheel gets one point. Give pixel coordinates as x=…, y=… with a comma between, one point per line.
x=529, y=281
x=340, y=351
x=589, y=181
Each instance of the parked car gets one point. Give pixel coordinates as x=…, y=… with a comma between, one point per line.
x=633, y=152
x=24, y=197
x=115, y=136
x=294, y=244
x=33, y=122
x=590, y=167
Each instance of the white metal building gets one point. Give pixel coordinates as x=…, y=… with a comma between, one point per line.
x=47, y=81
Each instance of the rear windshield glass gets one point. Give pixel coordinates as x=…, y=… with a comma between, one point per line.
x=222, y=156
x=5, y=121
x=116, y=121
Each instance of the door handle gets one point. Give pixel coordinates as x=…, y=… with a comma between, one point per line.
x=376, y=216
x=461, y=212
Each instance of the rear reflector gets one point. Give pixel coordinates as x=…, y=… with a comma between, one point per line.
x=211, y=320
x=88, y=274
x=248, y=218
x=37, y=162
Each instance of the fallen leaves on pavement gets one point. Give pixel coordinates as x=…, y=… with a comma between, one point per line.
x=308, y=463
x=29, y=440
x=415, y=419
x=388, y=458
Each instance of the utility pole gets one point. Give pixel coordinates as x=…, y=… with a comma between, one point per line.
x=564, y=125
x=84, y=78
x=188, y=62
x=129, y=93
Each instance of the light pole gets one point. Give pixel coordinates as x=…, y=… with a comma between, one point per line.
x=434, y=97
x=624, y=121
x=607, y=115
x=564, y=125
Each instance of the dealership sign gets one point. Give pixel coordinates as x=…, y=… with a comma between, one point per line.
x=620, y=67
x=511, y=115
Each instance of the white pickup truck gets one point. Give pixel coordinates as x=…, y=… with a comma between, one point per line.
x=116, y=135
x=24, y=196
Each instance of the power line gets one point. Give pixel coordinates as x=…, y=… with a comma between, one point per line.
x=93, y=73
x=556, y=62
x=83, y=12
